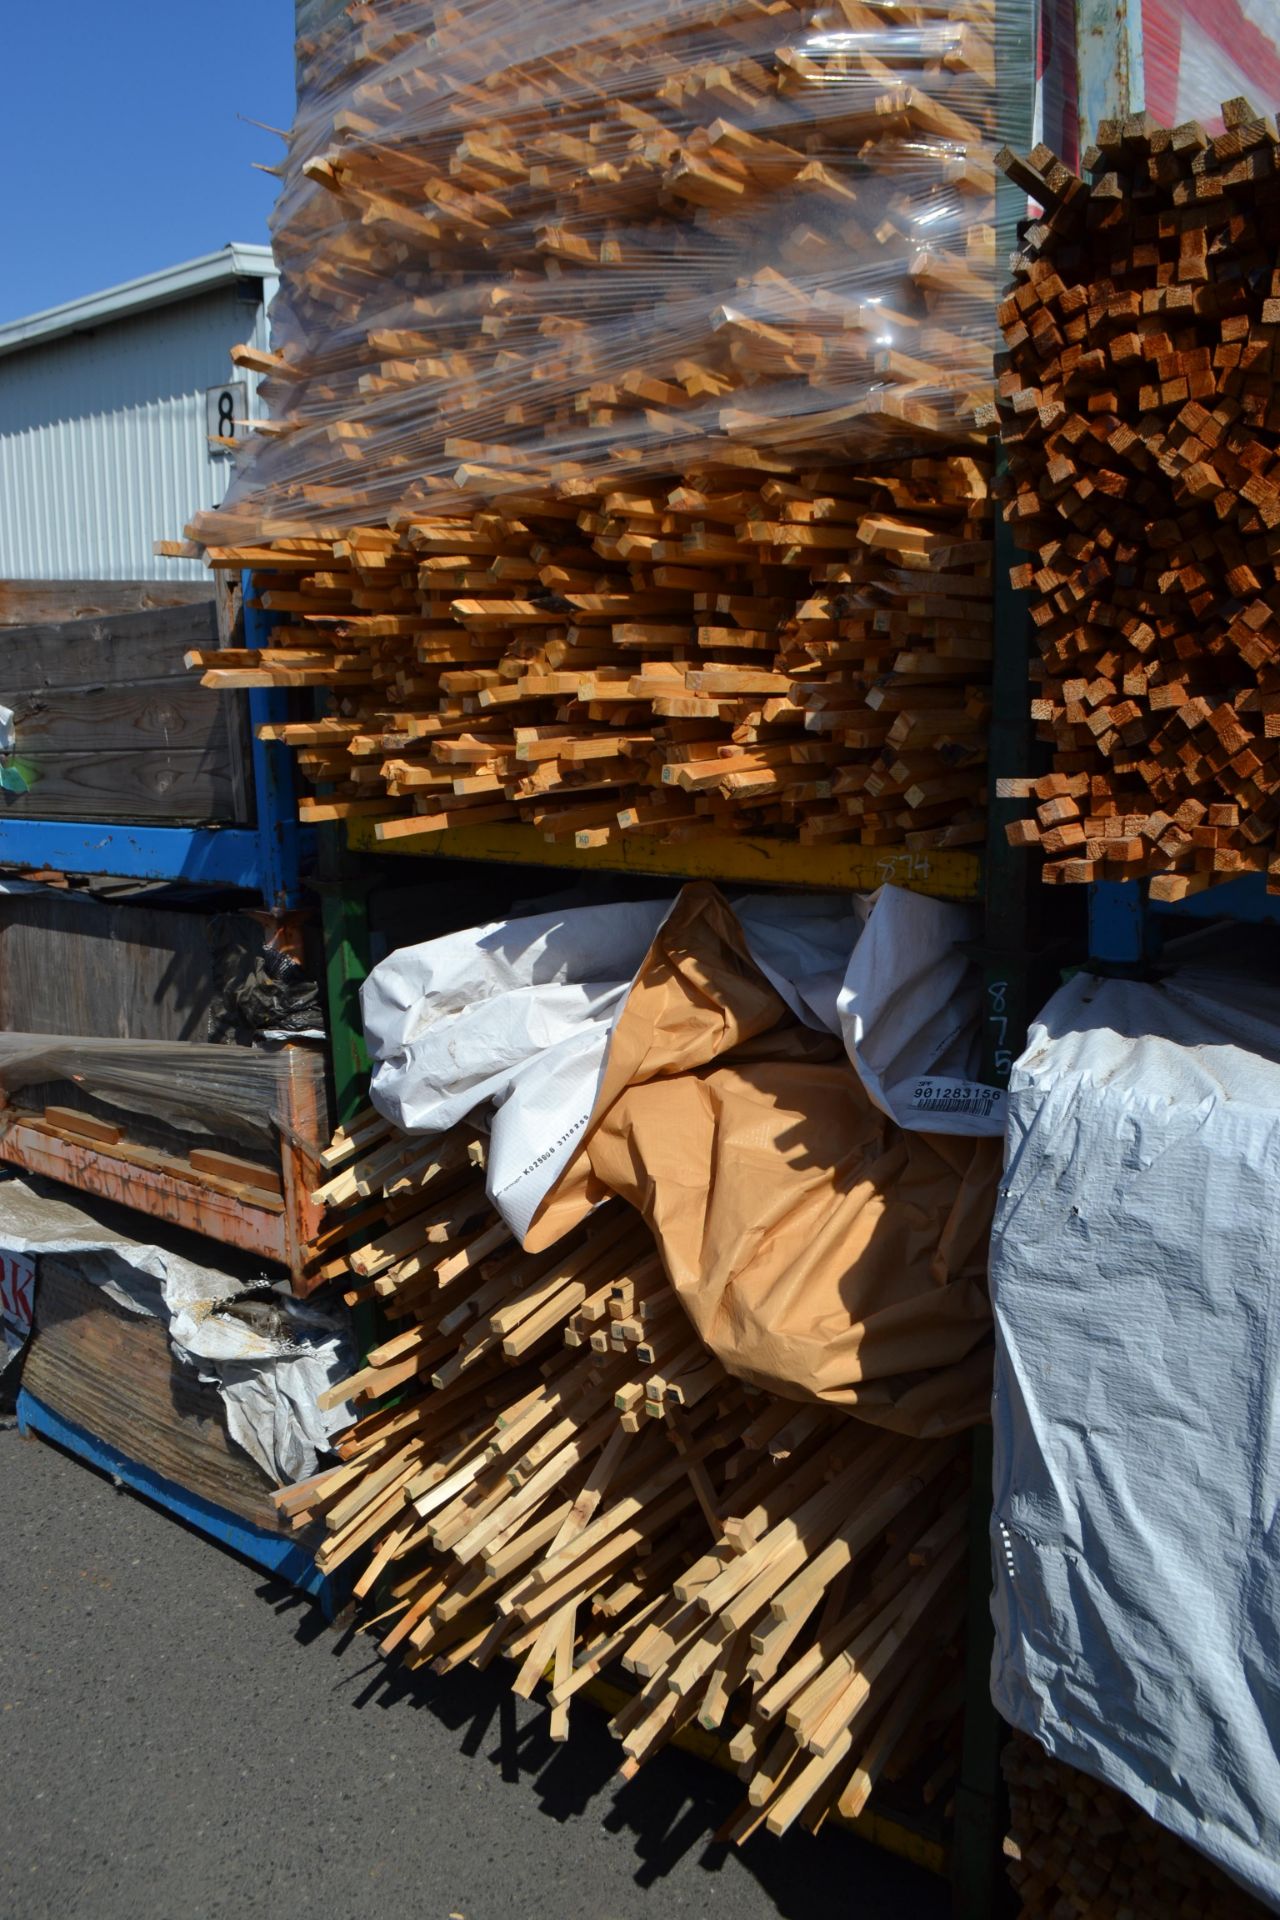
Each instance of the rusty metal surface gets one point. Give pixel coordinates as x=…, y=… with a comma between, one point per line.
x=1109, y=62
x=163, y=1195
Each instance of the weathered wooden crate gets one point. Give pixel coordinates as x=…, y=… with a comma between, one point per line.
x=79, y=968
x=115, y=1374
x=106, y=1385
x=42, y=603
x=110, y=725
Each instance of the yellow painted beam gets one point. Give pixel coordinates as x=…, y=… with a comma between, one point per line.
x=879, y=1829
x=732, y=857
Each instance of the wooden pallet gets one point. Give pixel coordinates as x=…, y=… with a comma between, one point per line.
x=105, y=1385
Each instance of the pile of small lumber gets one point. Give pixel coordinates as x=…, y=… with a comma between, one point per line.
x=226, y=1173
x=567, y=1478
x=622, y=472
x=808, y=658
x=1079, y=1850
x=1138, y=405
x=536, y=248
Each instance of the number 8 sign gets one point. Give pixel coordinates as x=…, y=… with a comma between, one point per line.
x=226, y=409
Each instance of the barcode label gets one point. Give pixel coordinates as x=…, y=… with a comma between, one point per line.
x=957, y=1096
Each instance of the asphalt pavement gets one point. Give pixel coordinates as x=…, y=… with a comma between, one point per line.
x=182, y=1739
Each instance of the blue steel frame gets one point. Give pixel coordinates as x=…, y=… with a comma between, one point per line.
x=265, y=858
x=277, y=1554
x=1109, y=63
x=1127, y=928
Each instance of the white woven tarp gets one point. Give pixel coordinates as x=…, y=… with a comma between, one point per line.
x=269, y=1364
x=1136, y=1288
x=510, y=1022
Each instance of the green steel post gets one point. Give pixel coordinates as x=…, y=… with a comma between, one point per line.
x=344, y=922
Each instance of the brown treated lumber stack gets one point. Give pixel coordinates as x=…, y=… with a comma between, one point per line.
x=566, y=1477
x=622, y=472
x=1139, y=408
x=1079, y=1850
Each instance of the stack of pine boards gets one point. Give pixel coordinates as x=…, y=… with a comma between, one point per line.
x=736, y=681
x=564, y=1476
x=623, y=471
x=1138, y=407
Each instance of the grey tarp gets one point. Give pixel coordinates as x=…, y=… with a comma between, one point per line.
x=1136, y=1289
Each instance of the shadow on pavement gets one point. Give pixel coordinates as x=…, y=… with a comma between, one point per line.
x=670, y=1810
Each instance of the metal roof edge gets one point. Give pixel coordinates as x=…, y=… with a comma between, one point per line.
x=233, y=262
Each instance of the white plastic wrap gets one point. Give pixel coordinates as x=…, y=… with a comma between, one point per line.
x=520, y=242
x=1197, y=53
x=270, y=1363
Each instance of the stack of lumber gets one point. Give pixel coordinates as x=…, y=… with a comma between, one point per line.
x=226, y=1173
x=1079, y=1850
x=567, y=1478
x=622, y=471
x=808, y=658
x=1137, y=401
x=525, y=249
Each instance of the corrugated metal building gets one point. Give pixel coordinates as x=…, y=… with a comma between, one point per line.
x=106, y=406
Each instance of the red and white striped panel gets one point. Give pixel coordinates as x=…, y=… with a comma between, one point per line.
x=1198, y=53
x=17, y=1299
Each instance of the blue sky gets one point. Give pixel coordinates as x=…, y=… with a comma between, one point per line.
x=120, y=145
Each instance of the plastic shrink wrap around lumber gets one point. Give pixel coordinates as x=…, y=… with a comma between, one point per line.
x=567, y=1477
x=622, y=471
x=1196, y=53
x=241, y=1091
x=1139, y=409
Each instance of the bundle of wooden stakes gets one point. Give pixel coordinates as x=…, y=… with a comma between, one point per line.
x=568, y=1478
x=807, y=659
x=1080, y=1850
x=1138, y=404
x=544, y=247
x=622, y=472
